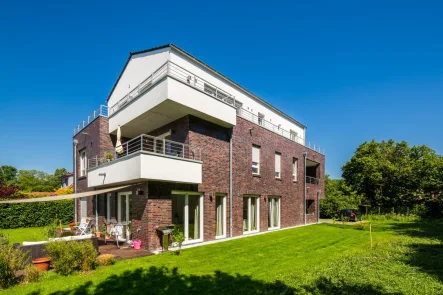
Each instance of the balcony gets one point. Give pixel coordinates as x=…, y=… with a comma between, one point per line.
x=312, y=180
x=146, y=158
x=168, y=94
x=101, y=111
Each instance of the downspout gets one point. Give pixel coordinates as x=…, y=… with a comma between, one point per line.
x=318, y=206
x=75, y=177
x=230, y=182
x=305, y=154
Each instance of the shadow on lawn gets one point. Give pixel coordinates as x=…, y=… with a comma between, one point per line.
x=165, y=281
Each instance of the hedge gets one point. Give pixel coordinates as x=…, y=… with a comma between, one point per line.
x=35, y=214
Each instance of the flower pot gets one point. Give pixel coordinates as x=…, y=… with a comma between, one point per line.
x=98, y=234
x=137, y=244
x=42, y=263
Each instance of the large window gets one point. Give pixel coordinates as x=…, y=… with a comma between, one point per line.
x=220, y=218
x=187, y=214
x=274, y=212
x=83, y=163
x=255, y=159
x=251, y=214
x=277, y=165
x=294, y=169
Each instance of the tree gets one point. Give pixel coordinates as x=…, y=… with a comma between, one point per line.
x=8, y=191
x=393, y=174
x=8, y=174
x=338, y=196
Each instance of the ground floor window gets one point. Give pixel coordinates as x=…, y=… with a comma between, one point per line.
x=220, y=219
x=187, y=214
x=273, y=212
x=251, y=215
x=310, y=207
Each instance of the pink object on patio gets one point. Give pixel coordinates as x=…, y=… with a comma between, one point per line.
x=137, y=244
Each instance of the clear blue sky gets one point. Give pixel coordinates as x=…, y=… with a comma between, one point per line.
x=349, y=71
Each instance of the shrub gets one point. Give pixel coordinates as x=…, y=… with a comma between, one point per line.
x=67, y=257
x=32, y=273
x=35, y=214
x=3, y=240
x=65, y=190
x=11, y=260
x=179, y=238
x=67, y=234
x=106, y=259
x=51, y=229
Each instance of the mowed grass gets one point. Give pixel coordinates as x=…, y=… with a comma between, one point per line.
x=28, y=234
x=320, y=259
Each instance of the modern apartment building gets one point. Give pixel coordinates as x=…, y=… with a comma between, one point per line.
x=198, y=151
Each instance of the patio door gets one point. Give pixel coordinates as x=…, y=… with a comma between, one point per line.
x=187, y=214
x=124, y=208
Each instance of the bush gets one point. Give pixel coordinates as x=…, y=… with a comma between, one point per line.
x=4, y=241
x=65, y=190
x=32, y=273
x=11, y=260
x=106, y=259
x=179, y=238
x=67, y=234
x=67, y=257
x=35, y=214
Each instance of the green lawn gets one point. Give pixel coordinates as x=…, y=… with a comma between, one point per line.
x=320, y=259
x=29, y=234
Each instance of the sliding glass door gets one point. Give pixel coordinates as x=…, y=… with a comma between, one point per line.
x=273, y=212
x=187, y=214
x=251, y=214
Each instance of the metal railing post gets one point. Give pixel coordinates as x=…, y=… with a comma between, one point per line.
x=141, y=143
x=183, y=148
x=164, y=146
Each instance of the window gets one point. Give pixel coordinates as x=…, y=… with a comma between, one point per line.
x=255, y=159
x=274, y=212
x=83, y=163
x=310, y=207
x=261, y=119
x=293, y=135
x=277, y=165
x=294, y=169
x=251, y=216
x=220, y=205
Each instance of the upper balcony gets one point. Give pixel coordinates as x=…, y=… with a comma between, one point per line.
x=146, y=158
x=168, y=94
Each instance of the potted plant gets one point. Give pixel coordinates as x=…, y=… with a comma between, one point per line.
x=178, y=238
x=104, y=233
x=42, y=263
x=109, y=157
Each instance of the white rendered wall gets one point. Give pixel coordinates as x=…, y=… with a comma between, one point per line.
x=138, y=69
x=145, y=166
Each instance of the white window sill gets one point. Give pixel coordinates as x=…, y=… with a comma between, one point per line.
x=273, y=228
x=220, y=237
x=192, y=241
x=251, y=232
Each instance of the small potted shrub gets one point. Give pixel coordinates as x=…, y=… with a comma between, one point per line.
x=178, y=238
x=104, y=233
x=109, y=157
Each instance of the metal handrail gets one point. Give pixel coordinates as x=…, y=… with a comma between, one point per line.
x=276, y=129
x=312, y=180
x=177, y=72
x=151, y=144
x=101, y=111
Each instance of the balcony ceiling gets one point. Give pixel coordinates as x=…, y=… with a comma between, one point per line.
x=162, y=114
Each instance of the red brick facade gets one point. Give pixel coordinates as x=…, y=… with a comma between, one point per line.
x=154, y=208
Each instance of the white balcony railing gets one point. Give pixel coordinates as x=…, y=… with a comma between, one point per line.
x=277, y=129
x=149, y=144
x=101, y=111
x=175, y=71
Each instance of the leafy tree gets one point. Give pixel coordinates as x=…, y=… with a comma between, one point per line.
x=8, y=174
x=338, y=196
x=393, y=174
x=35, y=181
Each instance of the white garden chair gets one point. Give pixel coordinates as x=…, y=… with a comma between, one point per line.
x=83, y=229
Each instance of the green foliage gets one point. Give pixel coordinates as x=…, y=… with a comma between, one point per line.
x=67, y=257
x=178, y=237
x=393, y=174
x=35, y=214
x=51, y=229
x=39, y=181
x=338, y=196
x=3, y=239
x=11, y=260
x=32, y=273
x=8, y=174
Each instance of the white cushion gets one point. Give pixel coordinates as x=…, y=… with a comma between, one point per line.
x=33, y=243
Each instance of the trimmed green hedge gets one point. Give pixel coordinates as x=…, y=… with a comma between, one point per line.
x=35, y=214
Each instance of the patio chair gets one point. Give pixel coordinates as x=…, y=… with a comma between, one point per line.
x=83, y=230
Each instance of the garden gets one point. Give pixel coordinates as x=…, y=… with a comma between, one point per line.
x=406, y=257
